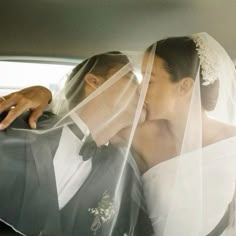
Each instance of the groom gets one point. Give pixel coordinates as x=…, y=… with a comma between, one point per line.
x=97, y=178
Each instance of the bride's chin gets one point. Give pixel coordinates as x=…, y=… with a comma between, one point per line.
x=122, y=136
x=119, y=139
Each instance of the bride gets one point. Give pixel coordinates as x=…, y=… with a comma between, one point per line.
x=187, y=146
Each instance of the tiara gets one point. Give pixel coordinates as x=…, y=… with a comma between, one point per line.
x=208, y=59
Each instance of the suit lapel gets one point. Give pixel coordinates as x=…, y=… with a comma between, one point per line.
x=38, y=208
x=77, y=217
x=40, y=197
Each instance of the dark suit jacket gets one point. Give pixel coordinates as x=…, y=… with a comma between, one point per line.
x=104, y=178
x=28, y=197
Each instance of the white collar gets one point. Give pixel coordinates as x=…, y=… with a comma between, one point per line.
x=84, y=128
x=80, y=123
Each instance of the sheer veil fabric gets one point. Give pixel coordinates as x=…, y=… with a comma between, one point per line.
x=75, y=175
x=104, y=154
x=193, y=191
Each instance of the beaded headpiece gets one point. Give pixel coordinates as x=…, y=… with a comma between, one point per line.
x=208, y=59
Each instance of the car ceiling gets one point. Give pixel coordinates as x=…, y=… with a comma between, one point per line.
x=80, y=28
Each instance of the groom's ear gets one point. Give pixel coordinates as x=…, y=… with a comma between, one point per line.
x=92, y=80
x=185, y=86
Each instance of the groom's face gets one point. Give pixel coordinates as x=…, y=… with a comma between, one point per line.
x=118, y=103
x=121, y=98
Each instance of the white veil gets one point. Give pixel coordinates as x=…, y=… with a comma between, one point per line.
x=75, y=175
x=79, y=173
x=195, y=191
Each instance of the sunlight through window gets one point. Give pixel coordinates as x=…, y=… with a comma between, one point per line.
x=18, y=75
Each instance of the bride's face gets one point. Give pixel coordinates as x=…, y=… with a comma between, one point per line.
x=161, y=95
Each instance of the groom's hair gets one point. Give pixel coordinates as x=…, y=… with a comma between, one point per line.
x=99, y=65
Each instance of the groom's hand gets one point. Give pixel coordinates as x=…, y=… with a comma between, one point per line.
x=35, y=99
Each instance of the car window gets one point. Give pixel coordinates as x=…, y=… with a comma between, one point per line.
x=18, y=75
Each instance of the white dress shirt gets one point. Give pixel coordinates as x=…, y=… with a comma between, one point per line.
x=70, y=169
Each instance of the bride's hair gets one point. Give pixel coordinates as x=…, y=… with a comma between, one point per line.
x=181, y=60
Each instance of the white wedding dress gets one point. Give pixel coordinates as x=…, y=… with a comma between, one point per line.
x=185, y=200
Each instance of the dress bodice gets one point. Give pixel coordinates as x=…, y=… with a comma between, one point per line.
x=189, y=194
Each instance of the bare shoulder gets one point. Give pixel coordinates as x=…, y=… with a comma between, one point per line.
x=230, y=130
x=224, y=130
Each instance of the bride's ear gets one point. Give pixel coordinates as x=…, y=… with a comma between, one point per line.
x=185, y=86
x=92, y=80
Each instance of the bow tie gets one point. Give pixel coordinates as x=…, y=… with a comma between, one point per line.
x=91, y=150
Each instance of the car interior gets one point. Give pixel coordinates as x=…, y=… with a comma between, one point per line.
x=41, y=41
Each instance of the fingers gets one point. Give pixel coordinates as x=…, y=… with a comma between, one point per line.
x=6, y=104
x=14, y=99
x=16, y=105
x=35, y=99
x=12, y=115
x=34, y=115
x=3, y=99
